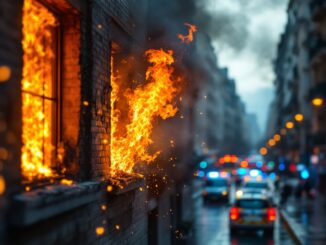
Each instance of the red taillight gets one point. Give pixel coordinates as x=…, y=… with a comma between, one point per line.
x=271, y=214
x=234, y=213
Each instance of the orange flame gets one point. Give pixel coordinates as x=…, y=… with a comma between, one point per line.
x=36, y=84
x=190, y=37
x=154, y=99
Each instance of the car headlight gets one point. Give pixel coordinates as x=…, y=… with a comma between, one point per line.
x=239, y=193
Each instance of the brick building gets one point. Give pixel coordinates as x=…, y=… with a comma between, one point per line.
x=73, y=64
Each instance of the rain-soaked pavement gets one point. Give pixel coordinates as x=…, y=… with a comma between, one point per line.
x=211, y=227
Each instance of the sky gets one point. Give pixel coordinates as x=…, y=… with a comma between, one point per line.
x=245, y=37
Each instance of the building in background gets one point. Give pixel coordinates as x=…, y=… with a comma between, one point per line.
x=298, y=112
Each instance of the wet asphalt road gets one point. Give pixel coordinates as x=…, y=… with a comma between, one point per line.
x=211, y=227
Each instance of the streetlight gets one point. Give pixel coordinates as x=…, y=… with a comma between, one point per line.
x=263, y=151
x=298, y=117
x=289, y=125
x=277, y=137
x=271, y=142
x=317, y=101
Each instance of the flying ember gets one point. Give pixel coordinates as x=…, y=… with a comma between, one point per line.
x=190, y=37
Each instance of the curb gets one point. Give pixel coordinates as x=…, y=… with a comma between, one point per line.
x=295, y=230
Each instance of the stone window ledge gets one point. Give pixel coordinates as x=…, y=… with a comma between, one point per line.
x=31, y=207
x=40, y=204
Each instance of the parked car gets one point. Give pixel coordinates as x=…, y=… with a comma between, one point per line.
x=252, y=211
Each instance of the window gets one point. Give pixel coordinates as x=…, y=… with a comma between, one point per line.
x=40, y=101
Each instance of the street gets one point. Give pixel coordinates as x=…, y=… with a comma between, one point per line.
x=211, y=227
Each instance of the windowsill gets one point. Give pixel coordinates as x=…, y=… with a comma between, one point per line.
x=40, y=204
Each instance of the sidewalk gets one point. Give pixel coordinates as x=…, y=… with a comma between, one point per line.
x=311, y=216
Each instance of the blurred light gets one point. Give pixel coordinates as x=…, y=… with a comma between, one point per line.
x=271, y=142
x=227, y=158
x=272, y=176
x=305, y=174
x=246, y=178
x=300, y=167
x=5, y=73
x=270, y=164
x=234, y=159
x=239, y=193
x=259, y=164
x=224, y=174
x=317, y=102
x=289, y=125
x=244, y=164
x=213, y=175
x=259, y=178
x=263, y=151
x=293, y=167
x=277, y=137
x=201, y=174
x=242, y=171
x=314, y=159
x=283, y=131
x=254, y=172
x=203, y=164
x=281, y=167
x=224, y=193
x=298, y=117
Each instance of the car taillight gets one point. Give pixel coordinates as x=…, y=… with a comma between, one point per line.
x=234, y=213
x=271, y=214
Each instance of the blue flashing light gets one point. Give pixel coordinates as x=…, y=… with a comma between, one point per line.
x=259, y=164
x=242, y=171
x=203, y=164
x=281, y=167
x=300, y=167
x=201, y=174
x=213, y=175
x=305, y=174
x=272, y=176
x=254, y=173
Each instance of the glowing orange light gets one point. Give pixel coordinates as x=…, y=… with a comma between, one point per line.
x=277, y=137
x=99, y=230
x=317, y=102
x=37, y=148
x=66, y=182
x=189, y=38
x=227, y=158
x=271, y=142
x=5, y=73
x=298, y=117
x=289, y=125
x=109, y=188
x=263, y=151
x=146, y=102
x=117, y=227
x=2, y=185
x=244, y=164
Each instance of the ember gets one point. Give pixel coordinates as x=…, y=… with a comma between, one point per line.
x=190, y=37
x=36, y=84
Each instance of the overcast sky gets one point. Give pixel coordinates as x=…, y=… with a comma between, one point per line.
x=246, y=35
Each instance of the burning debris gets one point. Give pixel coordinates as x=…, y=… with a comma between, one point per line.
x=190, y=37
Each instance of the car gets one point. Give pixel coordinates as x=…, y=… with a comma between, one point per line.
x=216, y=189
x=256, y=186
x=252, y=211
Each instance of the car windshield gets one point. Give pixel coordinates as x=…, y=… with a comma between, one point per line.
x=256, y=185
x=217, y=183
x=252, y=204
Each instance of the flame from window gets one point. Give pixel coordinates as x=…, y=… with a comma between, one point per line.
x=190, y=37
x=146, y=102
x=36, y=85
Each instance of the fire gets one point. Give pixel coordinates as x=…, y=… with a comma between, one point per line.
x=190, y=37
x=36, y=84
x=146, y=102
